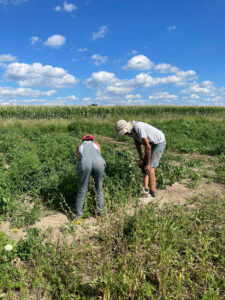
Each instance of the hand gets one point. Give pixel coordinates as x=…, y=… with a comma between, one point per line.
x=147, y=169
x=140, y=163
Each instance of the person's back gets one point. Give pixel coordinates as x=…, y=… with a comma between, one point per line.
x=153, y=134
x=90, y=162
x=90, y=154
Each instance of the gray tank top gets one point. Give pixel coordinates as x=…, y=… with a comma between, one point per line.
x=88, y=150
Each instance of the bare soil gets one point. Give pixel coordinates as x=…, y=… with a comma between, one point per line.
x=60, y=225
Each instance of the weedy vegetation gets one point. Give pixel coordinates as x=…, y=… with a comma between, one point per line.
x=169, y=252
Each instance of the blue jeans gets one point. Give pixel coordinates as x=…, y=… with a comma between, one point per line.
x=85, y=169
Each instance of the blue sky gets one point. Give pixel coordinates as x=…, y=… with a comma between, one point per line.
x=112, y=52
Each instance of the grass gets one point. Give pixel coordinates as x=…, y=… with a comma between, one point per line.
x=170, y=252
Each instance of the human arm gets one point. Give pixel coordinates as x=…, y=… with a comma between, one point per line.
x=147, y=154
x=138, y=146
x=99, y=147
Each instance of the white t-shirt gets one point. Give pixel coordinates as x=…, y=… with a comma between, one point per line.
x=143, y=130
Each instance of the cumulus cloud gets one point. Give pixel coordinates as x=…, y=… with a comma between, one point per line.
x=9, y=92
x=166, y=68
x=87, y=99
x=58, y=8
x=179, y=79
x=194, y=96
x=100, y=78
x=67, y=98
x=170, y=28
x=101, y=33
x=39, y=76
x=162, y=95
x=206, y=87
x=68, y=7
x=139, y=62
x=34, y=40
x=118, y=89
x=7, y=58
x=82, y=49
x=130, y=96
x=55, y=41
x=98, y=59
x=107, y=84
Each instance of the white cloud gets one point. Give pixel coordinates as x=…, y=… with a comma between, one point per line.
x=100, y=78
x=39, y=76
x=7, y=58
x=170, y=28
x=111, y=89
x=206, y=87
x=130, y=96
x=162, y=95
x=101, y=33
x=58, y=8
x=55, y=41
x=67, y=98
x=9, y=92
x=139, y=62
x=194, y=96
x=133, y=52
x=98, y=59
x=166, y=68
x=82, y=49
x=118, y=89
x=87, y=99
x=68, y=7
x=34, y=40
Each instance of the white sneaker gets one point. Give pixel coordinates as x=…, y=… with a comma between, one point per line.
x=145, y=193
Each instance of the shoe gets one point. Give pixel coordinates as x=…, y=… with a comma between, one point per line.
x=78, y=222
x=152, y=193
x=145, y=192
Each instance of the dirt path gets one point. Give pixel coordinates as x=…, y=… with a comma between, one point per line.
x=60, y=226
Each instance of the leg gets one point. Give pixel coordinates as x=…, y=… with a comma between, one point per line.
x=146, y=181
x=98, y=173
x=152, y=181
x=83, y=180
x=146, y=177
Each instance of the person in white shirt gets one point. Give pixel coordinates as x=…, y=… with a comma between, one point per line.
x=154, y=143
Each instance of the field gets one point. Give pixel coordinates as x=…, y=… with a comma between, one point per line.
x=169, y=248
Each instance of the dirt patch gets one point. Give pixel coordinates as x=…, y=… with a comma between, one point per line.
x=60, y=226
x=179, y=192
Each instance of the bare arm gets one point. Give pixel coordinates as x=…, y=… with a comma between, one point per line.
x=99, y=147
x=138, y=146
x=147, y=154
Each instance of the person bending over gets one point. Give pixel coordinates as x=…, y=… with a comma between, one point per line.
x=90, y=163
x=154, y=143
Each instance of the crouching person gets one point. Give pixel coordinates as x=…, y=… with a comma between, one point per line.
x=90, y=163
